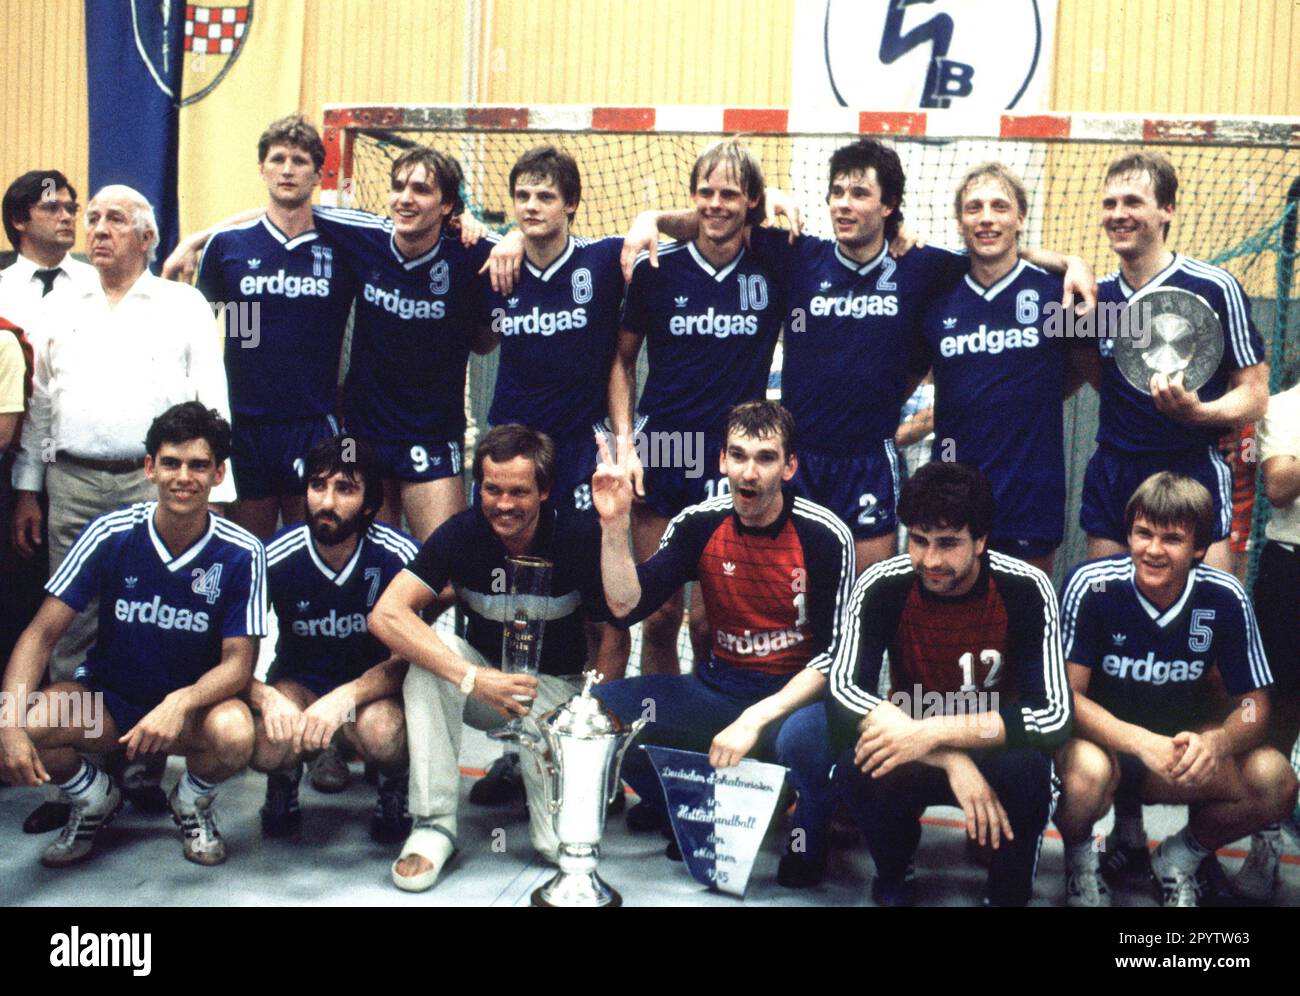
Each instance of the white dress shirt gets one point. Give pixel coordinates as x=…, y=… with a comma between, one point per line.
x=1278, y=434
x=103, y=372
x=22, y=294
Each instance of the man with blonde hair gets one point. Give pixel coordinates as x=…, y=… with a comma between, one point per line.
x=1143, y=633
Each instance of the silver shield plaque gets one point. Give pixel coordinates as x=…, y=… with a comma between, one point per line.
x=1185, y=336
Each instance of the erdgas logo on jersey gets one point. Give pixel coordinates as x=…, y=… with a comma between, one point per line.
x=281, y=284
x=333, y=624
x=539, y=322
x=760, y=644
x=711, y=323
x=1150, y=670
x=157, y=613
x=987, y=340
x=403, y=307
x=854, y=305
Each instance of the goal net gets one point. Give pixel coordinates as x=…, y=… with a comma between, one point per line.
x=1233, y=208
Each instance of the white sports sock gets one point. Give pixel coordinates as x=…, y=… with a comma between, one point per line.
x=1082, y=854
x=191, y=789
x=89, y=783
x=1184, y=851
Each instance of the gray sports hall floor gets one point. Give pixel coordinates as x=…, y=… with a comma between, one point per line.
x=139, y=861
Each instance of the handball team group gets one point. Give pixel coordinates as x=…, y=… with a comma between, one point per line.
x=168, y=480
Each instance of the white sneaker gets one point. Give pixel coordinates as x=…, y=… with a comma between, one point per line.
x=1257, y=878
x=1084, y=885
x=85, y=820
x=203, y=843
x=1177, y=887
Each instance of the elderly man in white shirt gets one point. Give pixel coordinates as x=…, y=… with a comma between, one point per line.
x=125, y=350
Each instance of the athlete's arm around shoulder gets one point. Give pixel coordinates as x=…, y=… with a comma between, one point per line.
x=183, y=261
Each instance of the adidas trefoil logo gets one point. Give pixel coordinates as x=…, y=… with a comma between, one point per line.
x=728, y=568
x=304, y=606
x=949, y=323
x=253, y=264
x=681, y=301
x=826, y=285
x=1118, y=639
x=131, y=581
x=512, y=302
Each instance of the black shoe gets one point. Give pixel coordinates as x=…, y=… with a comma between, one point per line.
x=672, y=852
x=46, y=817
x=281, y=816
x=801, y=871
x=900, y=893
x=504, y=783
x=140, y=781
x=1128, y=867
x=1215, y=887
x=641, y=818
x=390, y=824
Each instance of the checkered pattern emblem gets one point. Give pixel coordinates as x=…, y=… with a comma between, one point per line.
x=214, y=30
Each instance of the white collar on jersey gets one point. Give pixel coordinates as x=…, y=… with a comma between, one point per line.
x=556, y=266
x=861, y=269
x=411, y=264
x=1155, y=281
x=1163, y=619
x=341, y=578
x=989, y=293
x=289, y=243
x=707, y=267
x=176, y=563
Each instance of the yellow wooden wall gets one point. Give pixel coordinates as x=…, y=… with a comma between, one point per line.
x=1178, y=56
x=43, y=93
x=1154, y=56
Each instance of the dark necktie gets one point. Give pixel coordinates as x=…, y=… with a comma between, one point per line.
x=46, y=277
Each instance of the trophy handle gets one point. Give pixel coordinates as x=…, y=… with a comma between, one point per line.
x=542, y=748
x=612, y=788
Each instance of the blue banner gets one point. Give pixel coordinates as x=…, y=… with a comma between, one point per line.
x=134, y=52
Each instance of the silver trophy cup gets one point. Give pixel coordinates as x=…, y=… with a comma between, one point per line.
x=580, y=760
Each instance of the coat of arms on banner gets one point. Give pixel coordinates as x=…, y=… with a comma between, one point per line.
x=212, y=37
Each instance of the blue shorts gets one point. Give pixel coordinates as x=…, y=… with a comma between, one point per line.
x=575, y=462
x=1113, y=475
x=125, y=714
x=681, y=468
x=317, y=684
x=267, y=455
x=418, y=462
x=862, y=490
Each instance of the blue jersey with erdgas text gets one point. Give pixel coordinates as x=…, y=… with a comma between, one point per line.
x=282, y=361
x=558, y=331
x=415, y=321
x=1152, y=667
x=709, y=334
x=1127, y=418
x=852, y=334
x=162, y=616
x=321, y=612
x=998, y=392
